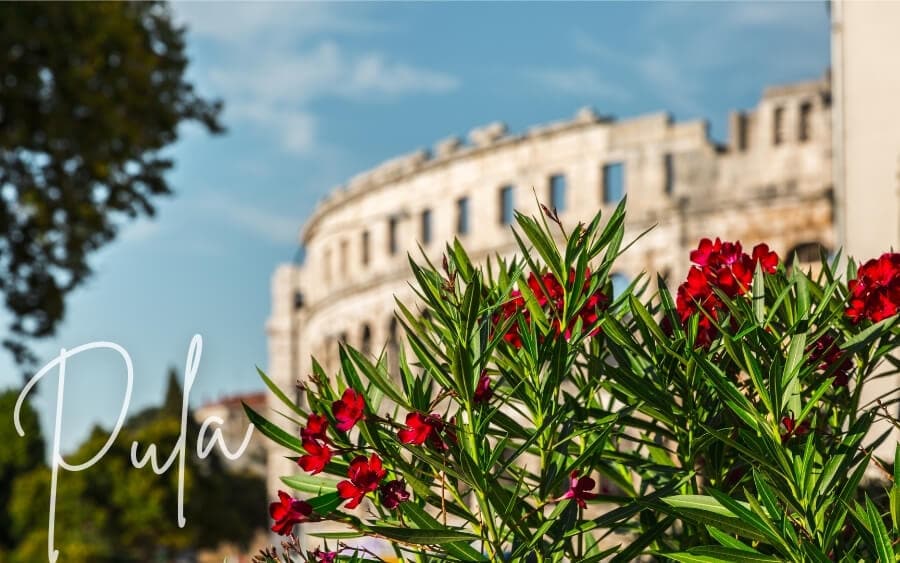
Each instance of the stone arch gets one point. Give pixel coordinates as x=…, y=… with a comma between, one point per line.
x=365, y=339
x=393, y=346
x=808, y=252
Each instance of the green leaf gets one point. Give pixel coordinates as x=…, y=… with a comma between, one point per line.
x=719, y=554
x=313, y=484
x=325, y=504
x=273, y=432
x=423, y=537
x=279, y=393
x=416, y=515
x=759, y=295
x=789, y=381
x=336, y=535
x=699, y=502
x=895, y=492
x=879, y=533
x=707, y=510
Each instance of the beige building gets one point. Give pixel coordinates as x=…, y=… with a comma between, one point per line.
x=233, y=426
x=865, y=46
x=771, y=182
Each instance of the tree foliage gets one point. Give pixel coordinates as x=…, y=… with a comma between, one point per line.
x=90, y=94
x=113, y=512
x=18, y=455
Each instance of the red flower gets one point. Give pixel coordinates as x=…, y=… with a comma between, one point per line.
x=318, y=456
x=393, y=493
x=288, y=512
x=549, y=294
x=364, y=476
x=508, y=310
x=421, y=428
x=723, y=266
x=348, y=410
x=315, y=428
x=580, y=489
x=324, y=556
x=875, y=293
x=827, y=353
x=483, y=391
x=791, y=428
x=767, y=259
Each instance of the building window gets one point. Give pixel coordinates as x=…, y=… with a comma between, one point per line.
x=742, y=132
x=364, y=248
x=507, y=205
x=558, y=192
x=613, y=182
x=807, y=253
x=393, y=347
x=343, y=257
x=462, y=215
x=778, y=126
x=805, y=124
x=366, y=340
x=326, y=265
x=392, y=235
x=669, y=165
x=426, y=226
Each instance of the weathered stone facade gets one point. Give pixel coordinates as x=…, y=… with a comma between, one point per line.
x=772, y=182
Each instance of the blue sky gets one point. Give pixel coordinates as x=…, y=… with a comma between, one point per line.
x=315, y=93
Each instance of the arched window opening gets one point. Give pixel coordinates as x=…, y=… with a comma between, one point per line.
x=807, y=253
x=366, y=339
x=393, y=347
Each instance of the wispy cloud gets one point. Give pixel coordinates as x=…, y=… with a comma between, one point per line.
x=278, y=60
x=268, y=225
x=710, y=44
x=578, y=81
x=140, y=231
x=228, y=22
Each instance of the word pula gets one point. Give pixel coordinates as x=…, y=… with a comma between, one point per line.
x=56, y=460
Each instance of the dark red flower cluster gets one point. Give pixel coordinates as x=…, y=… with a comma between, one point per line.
x=580, y=489
x=420, y=428
x=827, y=353
x=723, y=266
x=875, y=293
x=364, y=475
x=348, y=410
x=393, y=493
x=316, y=426
x=791, y=428
x=317, y=456
x=288, y=512
x=483, y=391
x=320, y=556
x=549, y=294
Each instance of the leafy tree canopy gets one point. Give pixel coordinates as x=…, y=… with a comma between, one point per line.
x=17, y=455
x=90, y=94
x=112, y=512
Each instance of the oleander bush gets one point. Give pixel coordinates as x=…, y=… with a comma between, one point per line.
x=534, y=415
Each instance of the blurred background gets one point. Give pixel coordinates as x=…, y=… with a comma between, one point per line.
x=158, y=161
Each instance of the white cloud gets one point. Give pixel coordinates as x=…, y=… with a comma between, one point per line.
x=325, y=71
x=578, y=81
x=265, y=224
x=140, y=230
x=276, y=60
x=719, y=38
x=228, y=22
